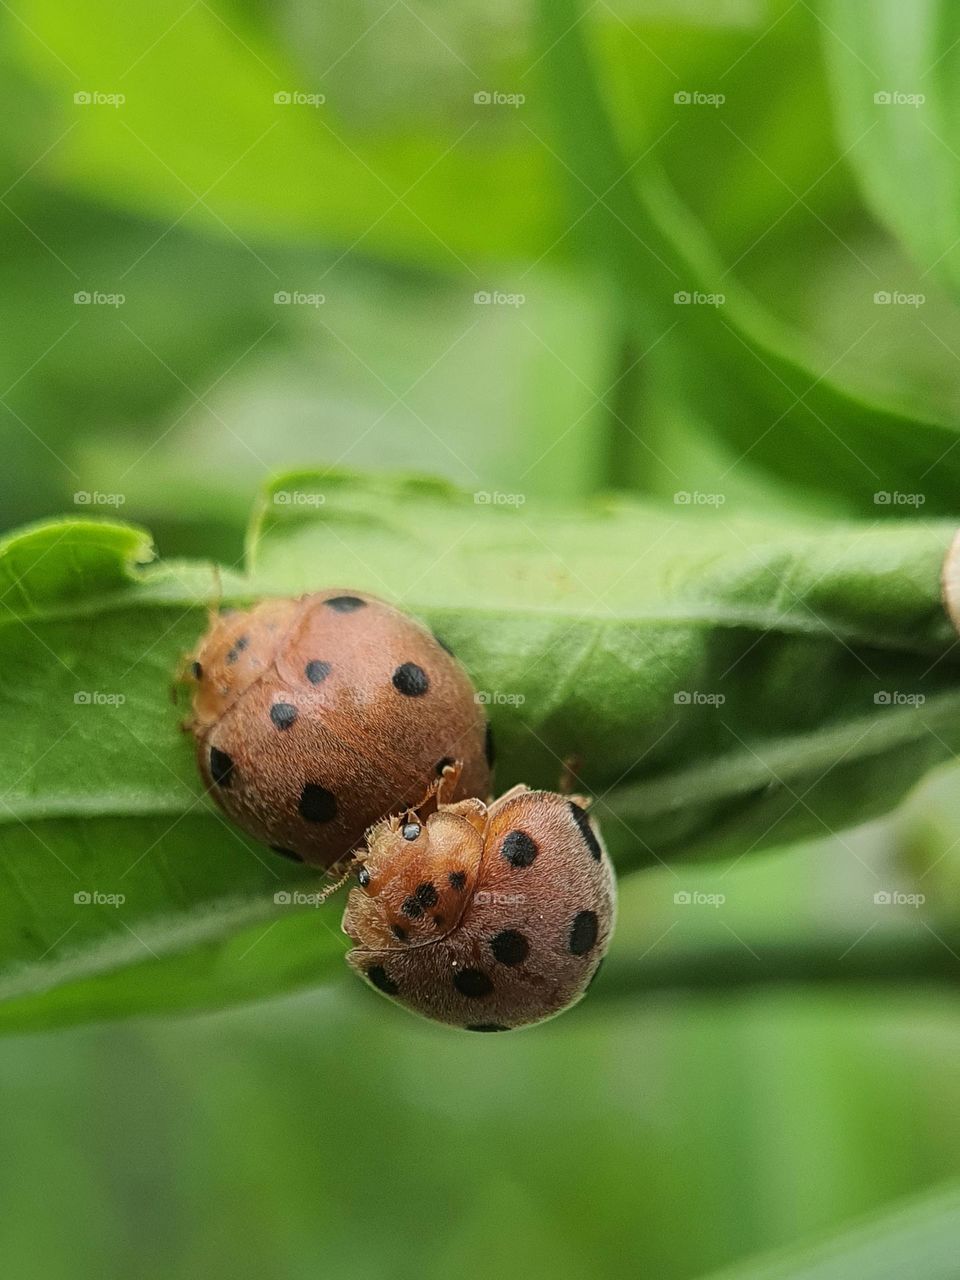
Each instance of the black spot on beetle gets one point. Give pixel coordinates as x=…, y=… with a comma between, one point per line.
x=399, y=932
x=410, y=680
x=518, y=848
x=510, y=947
x=286, y=853
x=457, y=879
x=283, y=714
x=583, y=933
x=317, y=804
x=412, y=908
x=316, y=671
x=582, y=819
x=221, y=767
x=382, y=980
x=473, y=983
x=239, y=645
x=344, y=604
x=196, y=670
x=426, y=894
x=486, y=1026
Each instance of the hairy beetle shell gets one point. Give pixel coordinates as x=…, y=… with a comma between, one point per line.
x=316, y=717
x=491, y=917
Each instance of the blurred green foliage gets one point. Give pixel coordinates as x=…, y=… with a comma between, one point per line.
x=662, y=1134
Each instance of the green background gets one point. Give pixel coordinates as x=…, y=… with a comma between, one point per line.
x=750, y=1078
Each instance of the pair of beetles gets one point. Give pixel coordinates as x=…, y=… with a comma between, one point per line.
x=344, y=734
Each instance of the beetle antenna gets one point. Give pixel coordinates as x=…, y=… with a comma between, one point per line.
x=331, y=889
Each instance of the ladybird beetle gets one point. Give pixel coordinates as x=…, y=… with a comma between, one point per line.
x=316, y=717
x=489, y=917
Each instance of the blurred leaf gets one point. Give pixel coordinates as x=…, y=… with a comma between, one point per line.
x=829, y=911
x=920, y=1239
x=895, y=79
x=761, y=384
x=761, y=1119
x=200, y=136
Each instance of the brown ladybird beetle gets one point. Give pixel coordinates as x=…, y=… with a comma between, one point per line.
x=318, y=716
x=489, y=917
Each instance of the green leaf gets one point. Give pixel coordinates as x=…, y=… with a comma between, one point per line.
x=765, y=387
x=896, y=79
x=919, y=1238
x=200, y=137
x=716, y=680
